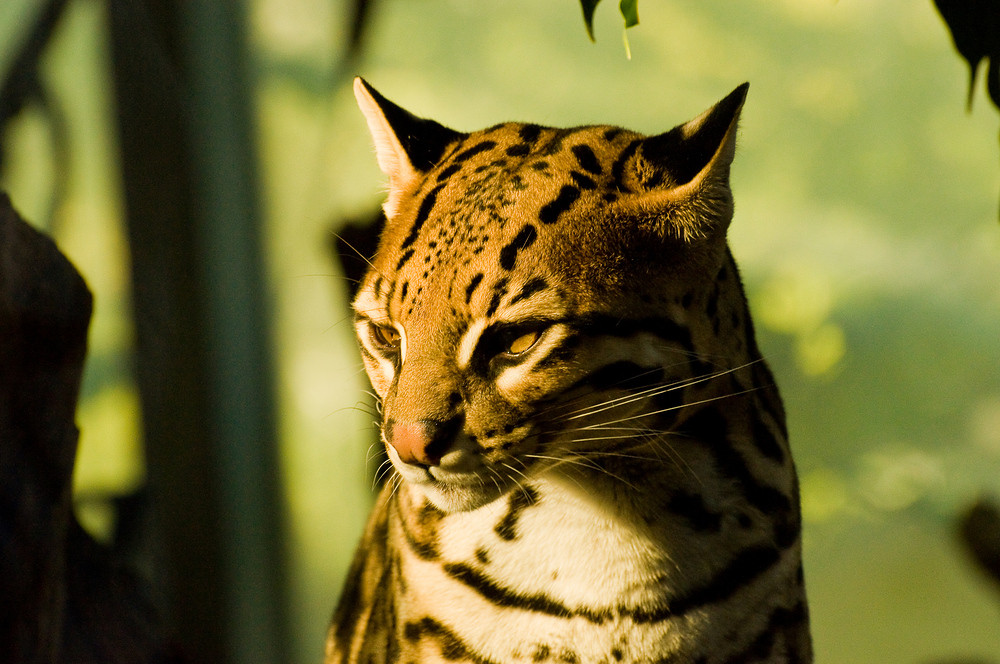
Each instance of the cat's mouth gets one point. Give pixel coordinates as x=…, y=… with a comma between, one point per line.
x=460, y=480
x=457, y=467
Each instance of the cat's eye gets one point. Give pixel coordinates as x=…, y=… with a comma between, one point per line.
x=384, y=337
x=523, y=342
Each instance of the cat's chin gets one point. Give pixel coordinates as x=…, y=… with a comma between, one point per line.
x=451, y=498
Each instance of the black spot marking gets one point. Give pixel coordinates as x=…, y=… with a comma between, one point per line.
x=402, y=291
x=787, y=528
x=482, y=556
x=759, y=649
x=524, y=239
x=618, y=168
x=448, y=172
x=498, y=292
x=550, y=212
x=556, y=139
x=502, y=596
x=540, y=165
x=782, y=622
x=588, y=160
x=421, y=536
x=354, y=602
x=582, y=181
x=471, y=288
x=451, y=645
x=709, y=425
x=506, y=528
x=746, y=566
x=691, y=507
x=422, y=213
x=529, y=133
x=535, y=285
x=712, y=306
x=612, y=134
x=407, y=255
x=766, y=442
x=518, y=150
x=568, y=656
x=541, y=653
x=467, y=154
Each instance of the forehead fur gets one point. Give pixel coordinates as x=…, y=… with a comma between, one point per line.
x=499, y=192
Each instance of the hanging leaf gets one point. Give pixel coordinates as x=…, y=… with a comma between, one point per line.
x=359, y=24
x=629, y=10
x=588, y=7
x=975, y=29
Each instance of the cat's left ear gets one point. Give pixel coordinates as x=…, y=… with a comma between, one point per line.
x=406, y=146
x=682, y=176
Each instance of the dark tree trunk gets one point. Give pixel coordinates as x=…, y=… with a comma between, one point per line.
x=64, y=597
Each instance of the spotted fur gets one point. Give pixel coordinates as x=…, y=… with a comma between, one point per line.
x=589, y=456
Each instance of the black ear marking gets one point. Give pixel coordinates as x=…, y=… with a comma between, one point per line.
x=680, y=154
x=424, y=141
x=678, y=181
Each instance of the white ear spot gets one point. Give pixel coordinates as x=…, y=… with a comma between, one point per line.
x=389, y=152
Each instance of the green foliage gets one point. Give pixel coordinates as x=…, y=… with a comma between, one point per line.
x=975, y=29
x=629, y=10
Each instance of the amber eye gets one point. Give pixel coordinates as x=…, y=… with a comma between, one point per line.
x=384, y=337
x=523, y=342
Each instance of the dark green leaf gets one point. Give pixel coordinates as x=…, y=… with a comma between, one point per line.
x=588, y=15
x=975, y=29
x=359, y=24
x=630, y=12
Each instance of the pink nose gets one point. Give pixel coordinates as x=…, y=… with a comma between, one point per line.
x=423, y=442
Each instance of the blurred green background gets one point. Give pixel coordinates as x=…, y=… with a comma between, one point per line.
x=866, y=227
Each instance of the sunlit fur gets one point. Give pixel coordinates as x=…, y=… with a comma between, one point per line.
x=610, y=477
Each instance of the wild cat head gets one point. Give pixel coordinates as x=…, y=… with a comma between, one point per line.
x=538, y=293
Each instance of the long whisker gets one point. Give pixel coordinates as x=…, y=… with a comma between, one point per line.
x=582, y=397
x=648, y=393
x=358, y=253
x=384, y=469
x=520, y=486
x=681, y=406
x=630, y=395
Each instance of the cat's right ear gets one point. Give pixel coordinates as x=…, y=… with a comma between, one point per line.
x=406, y=146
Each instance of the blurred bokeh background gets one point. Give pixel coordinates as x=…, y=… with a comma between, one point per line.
x=866, y=228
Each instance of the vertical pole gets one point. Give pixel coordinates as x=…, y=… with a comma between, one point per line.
x=202, y=334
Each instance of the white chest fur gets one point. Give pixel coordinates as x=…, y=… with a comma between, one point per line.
x=566, y=575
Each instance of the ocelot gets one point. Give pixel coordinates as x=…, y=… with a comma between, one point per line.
x=589, y=455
